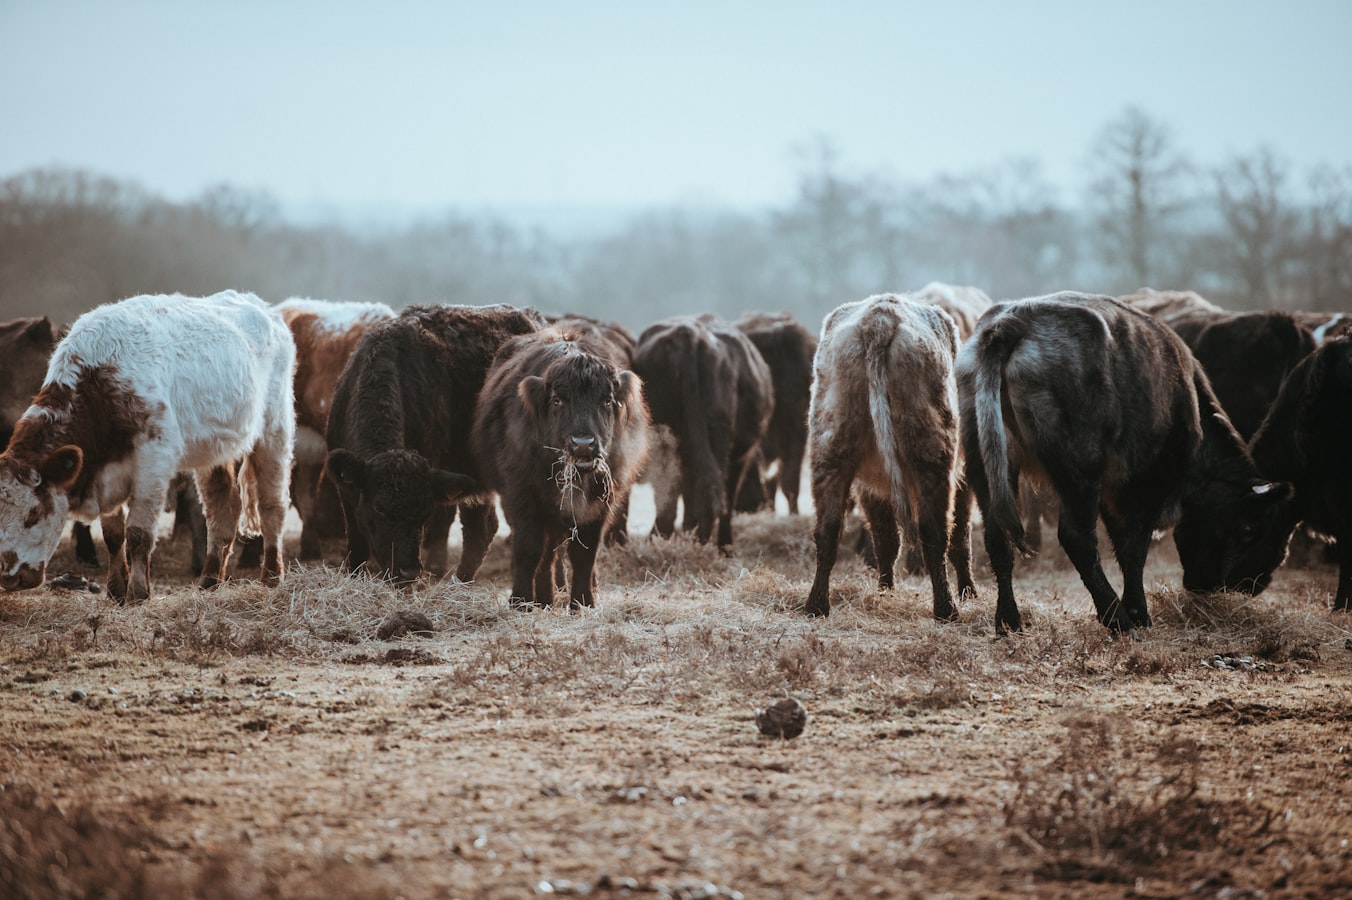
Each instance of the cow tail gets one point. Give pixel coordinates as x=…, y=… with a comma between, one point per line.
x=250, y=522
x=996, y=344
x=880, y=409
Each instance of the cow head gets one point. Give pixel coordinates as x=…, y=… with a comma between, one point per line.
x=1236, y=539
x=390, y=496
x=577, y=406
x=33, y=508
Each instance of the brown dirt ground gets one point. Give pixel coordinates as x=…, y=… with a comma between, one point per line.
x=257, y=743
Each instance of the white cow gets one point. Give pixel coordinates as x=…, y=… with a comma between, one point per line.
x=137, y=391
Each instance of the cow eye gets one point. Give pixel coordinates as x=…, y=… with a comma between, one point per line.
x=556, y=400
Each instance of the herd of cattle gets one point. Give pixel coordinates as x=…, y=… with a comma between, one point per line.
x=1152, y=411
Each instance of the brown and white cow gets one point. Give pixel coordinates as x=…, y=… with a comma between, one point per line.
x=963, y=303
x=884, y=421
x=787, y=348
x=326, y=332
x=560, y=434
x=711, y=398
x=1169, y=305
x=1109, y=407
x=399, y=437
x=135, y=392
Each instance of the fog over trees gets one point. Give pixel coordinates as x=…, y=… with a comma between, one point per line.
x=1249, y=233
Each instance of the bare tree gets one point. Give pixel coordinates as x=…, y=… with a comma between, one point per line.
x=1139, y=186
x=1259, y=227
x=1326, y=241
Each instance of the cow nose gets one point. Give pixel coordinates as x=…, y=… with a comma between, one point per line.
x=406, y=574
x=25, y=578
x=582, y=445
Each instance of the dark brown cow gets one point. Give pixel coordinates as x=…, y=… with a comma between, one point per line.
x=884, y=419
x=711, y=399
x=1109, y=407
x=787, y=348
x=399, y=437
x=560, y=434
x=619, y=344
x=1246, y=356
x=326, y=333
x=1307, y=439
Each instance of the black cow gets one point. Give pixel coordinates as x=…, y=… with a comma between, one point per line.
x=560, y=433
x=1246, y=356
x=711, y=398
x=399, y=436
x=1307, y=439
x=787, y=348
x=1108, y=406
x=884, y=420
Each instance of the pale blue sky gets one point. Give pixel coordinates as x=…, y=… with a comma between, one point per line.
x=424, y=105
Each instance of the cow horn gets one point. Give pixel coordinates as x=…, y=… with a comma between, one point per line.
x=1261, y=489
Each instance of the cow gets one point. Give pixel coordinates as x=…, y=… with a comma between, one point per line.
x=787, y=348
x=963, y=303
x=1306, y=439
x=399, y=437
x=326, y=332
x=1109, y=407
x=135, y=392
x=618, y=343
x=1169, y=305
x=711, y=397
x=884, y=420
x=560, y=434
x=1246, y=356
x=25, y=346
x=1325, y=326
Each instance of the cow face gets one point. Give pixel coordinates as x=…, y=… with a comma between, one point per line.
x=576, y=408
x=390, y=497
x=33, y=508
x=1237, y=539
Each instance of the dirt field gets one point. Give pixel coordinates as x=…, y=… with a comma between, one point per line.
x=265, y=743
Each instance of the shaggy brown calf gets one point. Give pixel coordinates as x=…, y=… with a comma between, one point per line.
x=560, y=434
x=884, y=419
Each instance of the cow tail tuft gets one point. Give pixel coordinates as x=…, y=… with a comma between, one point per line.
x=878, y=368
x=997, y=343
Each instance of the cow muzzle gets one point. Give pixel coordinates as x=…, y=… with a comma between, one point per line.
x=25, y=578
x=583, y=451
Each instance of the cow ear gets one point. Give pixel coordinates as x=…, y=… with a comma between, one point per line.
x=40, y=332
x=62, y=467
x=344, y=467
x=628, y=388
x=532, y=391
x=449, y=487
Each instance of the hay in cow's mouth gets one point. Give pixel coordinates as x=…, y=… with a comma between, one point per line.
x=568, y=473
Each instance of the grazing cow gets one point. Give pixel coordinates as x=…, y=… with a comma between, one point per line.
x=135, y=392
x=1245, y=356
x=1108, y=406
x=326, y=333
x=399, y=437
x=1169, y=305
x=1306, y=439
x=25, y=347
x=884, y=419
x=963, y=303
x=1325, y=326
x=787, y=348
x=707, y=386
x=560, y=433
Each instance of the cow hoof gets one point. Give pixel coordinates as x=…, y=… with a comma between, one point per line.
x=817, y=610
x=949, y=614
x=1005, y=626
x=208, y=582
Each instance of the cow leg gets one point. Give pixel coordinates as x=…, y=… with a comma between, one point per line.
x=85, y=552
x=1342, y=601
x=960, y=543
x=582, y=557
x=528, y=555
x=1078, y=534
x=270, y=468
x=790, y=478
x=882, y=529
x=1131, y=546
x=358, y=548
x=617, y=533
x=220, y=501
x=998, y=546
x=115, y=536
x=305, y=487
x=933, y=493
x=143, y=512
x=737, y=476
x=830, y=494
x=478, y=524
x=436, y=555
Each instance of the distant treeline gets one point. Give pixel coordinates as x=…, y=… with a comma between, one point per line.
x=1248, y=234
